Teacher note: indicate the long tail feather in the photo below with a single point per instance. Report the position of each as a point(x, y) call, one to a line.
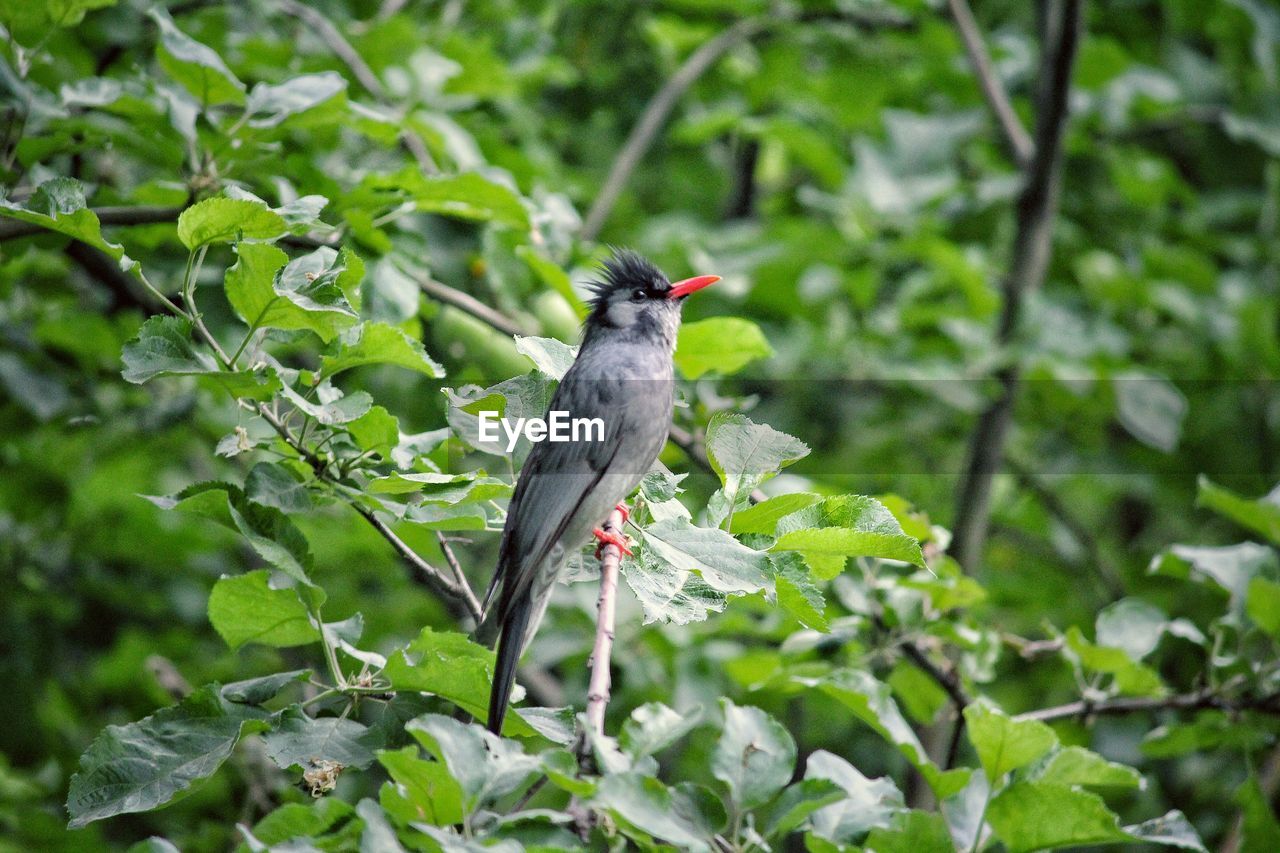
point(510, 645)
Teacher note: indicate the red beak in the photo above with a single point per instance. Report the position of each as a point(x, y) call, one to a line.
point(681, 289)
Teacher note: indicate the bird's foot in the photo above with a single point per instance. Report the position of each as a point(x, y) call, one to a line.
point(611, 538)
point(626, 513)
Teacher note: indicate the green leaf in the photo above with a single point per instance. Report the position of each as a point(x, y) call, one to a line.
point(669, 594)
point(337, 411)
point(1260, 831)
point(246, 609)
point(793, 807)
point(721, 344)
point(653, 727)
point(163, 347)
point(551, 275)
point(377, 430)
point(1230, 567)
point(485, 766)
point(745, 454)
point(764, 516)
point(1074, 765)
point(452, 667)
point(1131, 625)
point(1030, 816)
point(1003, 743)
point(724, 563)
point(270, 105)
point(552, 357)
point(378, 343)
point(228, 220)
point(867, 803)
point(294, 820)
point(829, 532)
point(1262, 604)
point(272, 484)
point(197, 67)
point(1132, 678)
point(1151, 408)
point(1261, 515)
point(248, 282)
point(918, 693)
point(755, 755)
point(302, 741)
point(59, 205)
point(912, 831)
point(646, 804)
point(255, 691)
point(1171, 829)
point(143, 765)
point(468, 196)
point(426, 786)
point(797, 593)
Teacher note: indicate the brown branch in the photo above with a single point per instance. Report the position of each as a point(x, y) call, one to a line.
point(655, 114)
point(468, 304)
point(12, 229)
point(598, 686)
point(1032, 246)
point(992, 88)
point(1202, 700)
point(337, 42)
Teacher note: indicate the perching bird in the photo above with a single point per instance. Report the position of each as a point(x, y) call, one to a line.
point(624, 376)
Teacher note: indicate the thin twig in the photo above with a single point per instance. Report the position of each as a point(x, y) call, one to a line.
point(468, 304)
point(1032, 247)
point(360, 69)
point(1136, 704)
point(655, 114)
point(12, 229)
point(992, 87)
point(598, 685)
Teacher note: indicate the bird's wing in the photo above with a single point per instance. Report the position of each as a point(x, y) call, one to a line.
point(555, 480)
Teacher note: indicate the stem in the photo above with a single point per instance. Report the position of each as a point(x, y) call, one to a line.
point(982, 818)
point(992, 87)
point(598, 686)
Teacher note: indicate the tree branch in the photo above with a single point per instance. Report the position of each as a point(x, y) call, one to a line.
point(992, 88)
point(655, 114)
point(468, 304)
point(336, 42)
point(1032, 246)
point(1136, 704)
point(598, 686)
point(12, 229)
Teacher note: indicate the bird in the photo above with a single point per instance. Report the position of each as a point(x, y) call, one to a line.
point(624, 375)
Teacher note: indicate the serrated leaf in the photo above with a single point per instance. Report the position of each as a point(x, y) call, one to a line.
point(379, 343)
point(721, 344)
point(312, 292)
point(763, 517)
point(377, 431)
point(468, 196)
point(668, 594)
point(427, 787)
point(247, 609)
point(1003, 743)
point(1132, 677)
point(299, 740)
point(745, 454)
point(866, 803)
point(829, 532)
point(912, 831)
point(255, 691)
point(646, 804)
point(163, 347)
point(797, 594)
point(653, 727)
point(1030, 816)
point(484, 765)
point(143, 765)
point(272, 484)
point(549, 355)
point(228, 220)
point(724, 563)
point(197, 67)
point(1074, 765)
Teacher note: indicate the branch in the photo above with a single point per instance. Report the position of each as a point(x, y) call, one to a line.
point(336, 42)
point(12, 229)
point(1202, 700)
point(655, 114)
point(992, 88)
point(468, 304)
point(1032, 246)
point(598, 686)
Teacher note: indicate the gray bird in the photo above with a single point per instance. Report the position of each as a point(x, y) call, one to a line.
point(624, 376)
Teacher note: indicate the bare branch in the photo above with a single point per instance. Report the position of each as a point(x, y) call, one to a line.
point(1137, 704)
point(655, 114)
point(992, 88)
point(1032, 246)
point(11, 229)
point(598, 686)
point(468, 304)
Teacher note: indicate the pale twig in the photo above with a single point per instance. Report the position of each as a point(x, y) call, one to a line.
point(600, 681)
point(467, 304)
point(992, 87)
point(1203, 700)
point(655, 114)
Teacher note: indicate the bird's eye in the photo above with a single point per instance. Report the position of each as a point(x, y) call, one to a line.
point(638, 295)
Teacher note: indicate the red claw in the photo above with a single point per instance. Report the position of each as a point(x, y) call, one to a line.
point(626, 513)
point(611, 538)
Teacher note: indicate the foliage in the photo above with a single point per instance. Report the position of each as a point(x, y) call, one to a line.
point(262, 264)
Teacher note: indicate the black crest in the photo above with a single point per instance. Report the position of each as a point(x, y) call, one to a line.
point(626, 270)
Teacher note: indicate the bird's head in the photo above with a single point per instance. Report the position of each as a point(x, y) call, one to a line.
point(634, 298)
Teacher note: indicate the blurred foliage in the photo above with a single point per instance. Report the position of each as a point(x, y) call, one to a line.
point(242, 643)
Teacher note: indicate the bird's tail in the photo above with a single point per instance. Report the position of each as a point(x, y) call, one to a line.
point(510, 645)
